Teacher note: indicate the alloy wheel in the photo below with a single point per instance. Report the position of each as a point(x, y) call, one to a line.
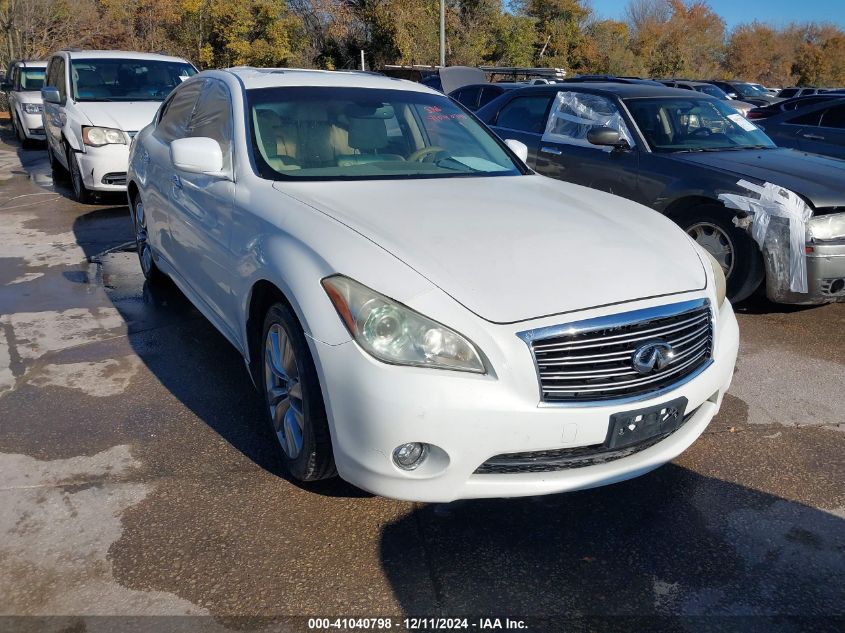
point(716, 242)
point(144, 252)
point(284, 390)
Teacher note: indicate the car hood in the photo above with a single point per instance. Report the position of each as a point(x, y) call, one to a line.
point(817, 178)
point(513, 248)
point(129, 116)
point(29, 96)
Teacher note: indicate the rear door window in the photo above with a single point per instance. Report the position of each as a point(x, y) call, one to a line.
point(525, 114)
point(488, 93)
point(834, 117)
point(810, 118)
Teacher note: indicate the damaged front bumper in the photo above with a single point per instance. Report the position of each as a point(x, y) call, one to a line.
point(825, 258)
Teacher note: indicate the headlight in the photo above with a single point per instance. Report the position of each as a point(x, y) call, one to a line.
point(393, 333)
point(32, 108)
point(99, 136)
point(718, 278)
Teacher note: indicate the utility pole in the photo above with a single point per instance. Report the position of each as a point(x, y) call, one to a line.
point(442, 33)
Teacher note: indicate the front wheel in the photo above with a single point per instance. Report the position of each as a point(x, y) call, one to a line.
point(80, 192)
point(16, 123)
point(145, 254)
point(293, 398)
point(733, 248)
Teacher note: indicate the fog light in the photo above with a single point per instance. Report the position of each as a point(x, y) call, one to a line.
point(409, 456)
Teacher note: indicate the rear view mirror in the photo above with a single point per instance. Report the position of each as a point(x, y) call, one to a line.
point(51, 95)
point(198, 155)
point(519, 148)
point(606, 137)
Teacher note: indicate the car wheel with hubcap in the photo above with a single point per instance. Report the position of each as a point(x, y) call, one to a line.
point(733, 248)
point(16, 122)
point(152, 273)
point(293, 397)
point(80, 192)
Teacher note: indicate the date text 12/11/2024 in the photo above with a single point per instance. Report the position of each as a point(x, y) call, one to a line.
point(415, 624)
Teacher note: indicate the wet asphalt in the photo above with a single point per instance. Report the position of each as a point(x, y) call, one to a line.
point(137, 477)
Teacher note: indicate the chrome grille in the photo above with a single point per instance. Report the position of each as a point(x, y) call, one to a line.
point(592, 360)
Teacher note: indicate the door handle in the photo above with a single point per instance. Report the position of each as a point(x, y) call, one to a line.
point(177, 182)
point(813, 137)
point(551, 150)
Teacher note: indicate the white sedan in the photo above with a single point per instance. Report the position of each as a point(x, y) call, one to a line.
point(426, 317)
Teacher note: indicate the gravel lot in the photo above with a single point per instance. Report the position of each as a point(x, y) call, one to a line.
point(138, 478)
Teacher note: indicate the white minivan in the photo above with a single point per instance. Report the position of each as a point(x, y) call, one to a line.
point(94, 103)
point(22, 87)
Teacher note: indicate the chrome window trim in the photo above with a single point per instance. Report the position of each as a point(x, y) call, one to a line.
point(616, 320)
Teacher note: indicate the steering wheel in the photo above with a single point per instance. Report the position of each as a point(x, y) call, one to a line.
point(422, 153)
point(702, 131)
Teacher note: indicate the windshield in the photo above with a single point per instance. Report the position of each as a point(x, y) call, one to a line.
point(688, 125)
point(713, 91)
point(127, 79)
point(748, 89)
point(32, 78)
point(356, 133)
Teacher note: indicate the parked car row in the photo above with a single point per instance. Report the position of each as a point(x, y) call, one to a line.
point(88, 105)
point(425, 312)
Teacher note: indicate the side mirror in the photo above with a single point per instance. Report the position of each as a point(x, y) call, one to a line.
point(519, 148)
point(6, 86)
point(51, 95)
point(606, 137)
point(198, 155)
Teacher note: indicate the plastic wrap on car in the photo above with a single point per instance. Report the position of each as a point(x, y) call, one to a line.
point(779, 226)
point(574, 114)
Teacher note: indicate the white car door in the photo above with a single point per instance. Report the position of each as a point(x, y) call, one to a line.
point(201, 209)
point(154, 160)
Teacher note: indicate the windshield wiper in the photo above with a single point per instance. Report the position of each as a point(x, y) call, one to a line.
point(738, 147)
point(454, 161)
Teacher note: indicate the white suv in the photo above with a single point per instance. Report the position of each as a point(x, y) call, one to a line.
point(22, 87)
point(94, 103)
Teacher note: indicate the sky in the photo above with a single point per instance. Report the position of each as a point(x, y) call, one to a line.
point(776, 12)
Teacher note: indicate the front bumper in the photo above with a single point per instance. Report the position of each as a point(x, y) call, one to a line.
point(104, 168)
point(825, 277)
point(33, 126)
point(374, 407)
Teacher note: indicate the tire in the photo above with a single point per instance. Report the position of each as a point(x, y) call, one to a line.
point(299, 423)
point(152, 273)
point(711, 226)
point(19, 130)
point(80, 192)
point(59, 172)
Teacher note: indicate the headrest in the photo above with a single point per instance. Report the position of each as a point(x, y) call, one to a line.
point(367, 134)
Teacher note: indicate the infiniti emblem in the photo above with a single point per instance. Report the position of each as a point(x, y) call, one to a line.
point(652, 356)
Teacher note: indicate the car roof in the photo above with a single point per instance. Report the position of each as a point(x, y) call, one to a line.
point(623, 91)
point(690, 82)
point(281, 77)
point(97, 54)
point(506, 85)
point(30, 63)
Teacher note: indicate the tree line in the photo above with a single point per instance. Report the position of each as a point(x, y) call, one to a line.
point(656, 38)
